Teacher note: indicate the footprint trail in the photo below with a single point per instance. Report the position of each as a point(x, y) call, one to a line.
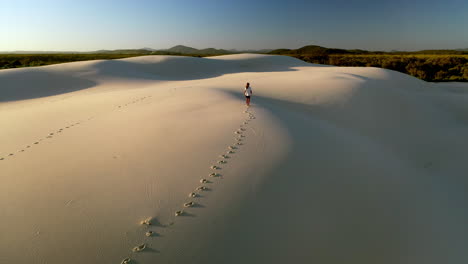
point(148, 234)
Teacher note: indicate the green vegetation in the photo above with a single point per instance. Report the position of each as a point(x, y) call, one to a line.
point(31, 60)
point(434, 68)
point(17, 60)
point(428, 65)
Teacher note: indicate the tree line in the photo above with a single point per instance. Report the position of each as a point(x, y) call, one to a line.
point(31, 60)
point(431, 67)
point(428, 67)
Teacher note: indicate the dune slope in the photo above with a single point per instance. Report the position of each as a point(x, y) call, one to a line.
point(329, 165)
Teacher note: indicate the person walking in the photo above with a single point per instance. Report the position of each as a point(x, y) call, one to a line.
point(247, 93)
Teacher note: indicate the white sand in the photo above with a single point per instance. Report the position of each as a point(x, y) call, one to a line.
point(340, 165)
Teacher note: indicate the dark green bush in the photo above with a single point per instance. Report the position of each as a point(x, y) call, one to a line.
point(426, 67)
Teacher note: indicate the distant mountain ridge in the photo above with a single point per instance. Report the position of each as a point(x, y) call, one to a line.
point(323, 51)
point(185, 50)
point(182, 49)
point(310, 49)
point(189, 50)
point(176, 50)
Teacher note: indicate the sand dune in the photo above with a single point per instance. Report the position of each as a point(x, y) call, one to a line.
point(156, 160)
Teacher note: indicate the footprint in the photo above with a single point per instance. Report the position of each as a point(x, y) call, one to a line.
point(179, 213)
point(238, 139)
point(11, 154)
point(36, 142)
point(21, 150)
point(238, 132)
point(215, 167)
point(224, 156)
point(2, 158)
point(222, 162)
point(238, 143)
point(232, 147)
point(242, 136)
point(28, 146)
point(201, 188)
point(51, 134)
point(146, 221)
point(149, 233)
point(189, 204)
point(243, 129)
point(203, 181)
point(214, 174)
point(139, 248)
point(192, 195)
point(126, 261)
point(230, 152)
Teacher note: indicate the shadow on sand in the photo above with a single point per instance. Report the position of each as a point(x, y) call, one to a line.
point(328, 201)
point(36, 82)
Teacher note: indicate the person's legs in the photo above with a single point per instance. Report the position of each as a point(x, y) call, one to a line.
point(247, 100)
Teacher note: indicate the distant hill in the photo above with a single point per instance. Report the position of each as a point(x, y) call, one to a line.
point(182, 49)
point(280, 51)
point(310, 49)
point(189, 50)
point(322, 51)
point(210, 51)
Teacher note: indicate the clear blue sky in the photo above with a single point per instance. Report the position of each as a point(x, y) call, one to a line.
point(104, 24)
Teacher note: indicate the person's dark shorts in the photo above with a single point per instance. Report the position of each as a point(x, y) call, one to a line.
point(248, 97)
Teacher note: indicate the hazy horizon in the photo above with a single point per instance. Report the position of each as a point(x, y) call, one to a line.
point(54, 25)
point(233, 49)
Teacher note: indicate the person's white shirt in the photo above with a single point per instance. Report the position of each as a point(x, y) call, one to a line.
point(248, 91)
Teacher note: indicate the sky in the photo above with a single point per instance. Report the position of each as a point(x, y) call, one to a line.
point(86, 25)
